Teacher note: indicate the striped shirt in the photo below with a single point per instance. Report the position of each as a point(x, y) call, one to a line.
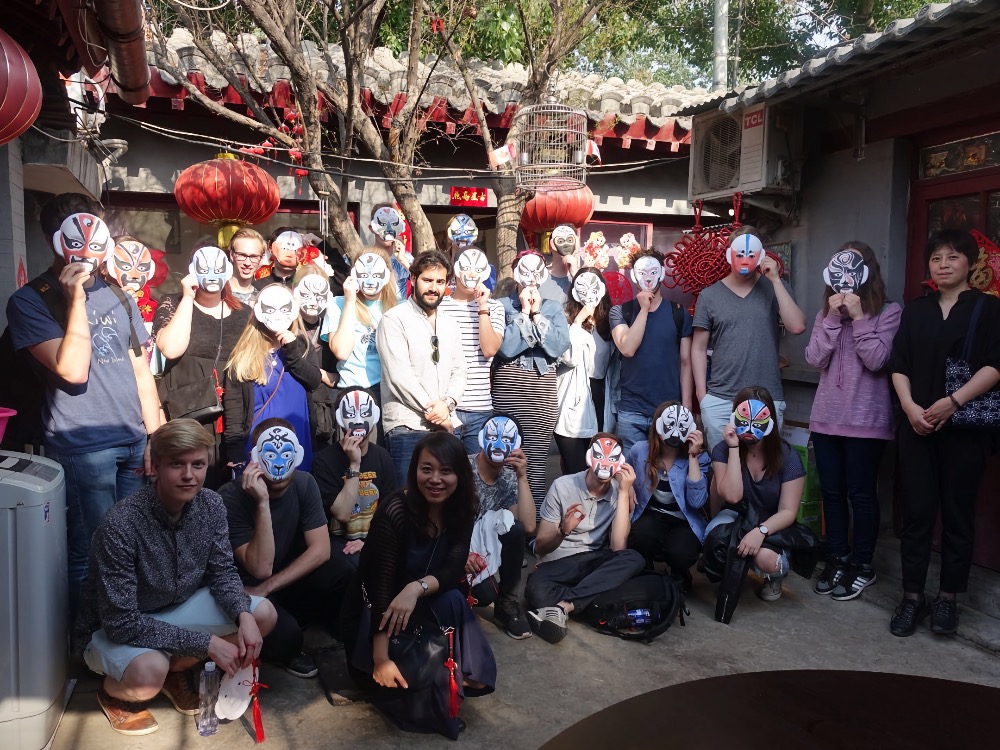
point(477, 395)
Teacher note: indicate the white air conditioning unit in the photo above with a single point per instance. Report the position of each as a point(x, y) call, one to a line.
point(748, 151)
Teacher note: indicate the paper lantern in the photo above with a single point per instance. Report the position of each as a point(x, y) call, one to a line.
point(549, 208)
point(20, 90)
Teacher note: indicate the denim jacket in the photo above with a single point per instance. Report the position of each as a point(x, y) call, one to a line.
point(535, 344)
point(691, 496)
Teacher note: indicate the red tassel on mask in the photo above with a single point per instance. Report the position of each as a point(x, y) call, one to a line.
point(258, 721)
point(452, 669)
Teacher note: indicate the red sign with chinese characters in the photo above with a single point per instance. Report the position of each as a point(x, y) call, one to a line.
point(467, 196)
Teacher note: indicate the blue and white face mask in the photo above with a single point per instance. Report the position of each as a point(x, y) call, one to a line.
point(498, 438)
point(371, 272)
point(752, 420)
point(211, 266)
point(462, 231)
point(387, 224)
point(278, 452)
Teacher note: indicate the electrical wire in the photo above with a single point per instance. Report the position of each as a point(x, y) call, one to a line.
point(57, 138)
point(220, 6)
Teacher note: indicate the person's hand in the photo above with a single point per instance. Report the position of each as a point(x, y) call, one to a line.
point(73, 277)
point(482, 295)
point(473, 566)
point(769, 269)
point(387, 674)
point(189, 286)
point(437, 413)
point(248, 639)
point(397, 616)
point(939, 412)
point(572, 264)
point(399, 250)
point(518, 461)
point(573, 517)
point(354, 546)
point(750, 544)
point(917, 420)
point(730, 436)
point(313, 240)
point(225, 654)
point(253, 482)
point(645, 299)
point(525, 296)
point(853, 304)
point(696, 443)
point(351, 287)
point(625, 476)
point(285, 337)
point(352, 449)
point(836, 302)
point(329, 378)
point(587, 311)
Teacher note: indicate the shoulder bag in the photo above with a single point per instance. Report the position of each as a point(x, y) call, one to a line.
point(982, 412)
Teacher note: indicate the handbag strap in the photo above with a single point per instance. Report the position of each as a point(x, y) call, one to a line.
point(273, 393)
point(970, 335)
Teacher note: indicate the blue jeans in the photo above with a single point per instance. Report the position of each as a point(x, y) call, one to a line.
point(472, 423)
point(633, 428)
point(848, 471)
point(400, 442)
point(94, 482)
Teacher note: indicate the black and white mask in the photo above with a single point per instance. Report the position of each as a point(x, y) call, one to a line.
point(276, 307)
point(589, 289)
point(674, 425)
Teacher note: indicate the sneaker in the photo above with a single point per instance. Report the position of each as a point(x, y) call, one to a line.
point(944, 616)
point(771, 590)
point(128, 718)
point(507, 612)
point(908, 615)
point(179, 689)
point(549, 623)
point(831, 575)
point(301, 666)
point(856, 580)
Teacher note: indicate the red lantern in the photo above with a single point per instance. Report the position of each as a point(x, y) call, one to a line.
point(20, 90)
point(228, 192)
point(550, 208)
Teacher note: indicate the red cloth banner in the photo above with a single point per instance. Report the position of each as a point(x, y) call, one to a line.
point(469, 196)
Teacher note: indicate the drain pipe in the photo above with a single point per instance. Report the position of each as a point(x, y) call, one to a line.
point(720, 46)
point(124, 29)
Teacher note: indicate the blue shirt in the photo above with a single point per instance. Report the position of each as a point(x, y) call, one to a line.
point(286, 398)
point(363, 367)
point(690, 496)
point(104, 412)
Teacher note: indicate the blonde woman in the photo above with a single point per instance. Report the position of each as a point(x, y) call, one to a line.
point(269, 374)
point(352, 320)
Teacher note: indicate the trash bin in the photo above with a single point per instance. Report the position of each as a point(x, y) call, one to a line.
point(34, 647)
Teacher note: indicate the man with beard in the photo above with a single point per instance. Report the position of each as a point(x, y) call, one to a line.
point(423, 370)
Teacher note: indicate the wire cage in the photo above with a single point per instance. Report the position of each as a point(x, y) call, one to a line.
point(551, 147)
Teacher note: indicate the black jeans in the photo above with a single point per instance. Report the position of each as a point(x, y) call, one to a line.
point(581, 577)
point(848, 471)
point(573, 452)
point(511, 557)
point(658, 536)
point(939, 471)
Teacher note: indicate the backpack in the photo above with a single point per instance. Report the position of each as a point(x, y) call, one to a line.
point(22, 385)
point(639, 609)
point(630, 310)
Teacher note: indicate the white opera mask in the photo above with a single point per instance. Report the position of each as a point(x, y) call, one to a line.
point(212, 267)
point(286, 247)
point(387, 224)
point(278, 452)
point(564, 240)
point(589, 289)
point(371, 272)
point(498, 438)
point(131, 264)
point(647, 273)
point(472, 268)
point(276, 307)
point(744, 254)
point(357, 413)
point(83, 238)
point(846, 273)
point(675, 424)
point(530, 271)
point(313, 295)
point(462, 231)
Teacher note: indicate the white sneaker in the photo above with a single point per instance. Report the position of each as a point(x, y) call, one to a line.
point(771, 590)
point(549, 623)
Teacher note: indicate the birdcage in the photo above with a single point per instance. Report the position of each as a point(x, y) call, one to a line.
point(551, 147)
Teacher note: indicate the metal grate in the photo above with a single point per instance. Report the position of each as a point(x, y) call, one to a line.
point(720, 166)
point(551, 147)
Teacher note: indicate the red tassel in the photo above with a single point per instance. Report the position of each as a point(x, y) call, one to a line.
point(453, 686)
point(219, 390)
point(258, 721)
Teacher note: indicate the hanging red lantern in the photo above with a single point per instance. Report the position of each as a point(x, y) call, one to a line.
point(228, 192)
point(550, 208)
point(20, 90)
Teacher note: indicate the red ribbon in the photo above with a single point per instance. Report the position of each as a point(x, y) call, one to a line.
point(219, 390)
point(453, 685)
point(258, 721)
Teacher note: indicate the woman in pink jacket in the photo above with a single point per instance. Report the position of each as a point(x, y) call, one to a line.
point(851, 418)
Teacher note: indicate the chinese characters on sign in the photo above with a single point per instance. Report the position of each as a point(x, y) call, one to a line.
point(468, 196)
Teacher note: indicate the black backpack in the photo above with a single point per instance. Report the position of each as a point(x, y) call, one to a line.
point(640, 609)
point(22, 384)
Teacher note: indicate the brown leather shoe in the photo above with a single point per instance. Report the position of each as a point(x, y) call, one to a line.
point(126, 717)
point(178, 688)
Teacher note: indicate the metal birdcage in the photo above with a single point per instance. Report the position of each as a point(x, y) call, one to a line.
point(551, 147)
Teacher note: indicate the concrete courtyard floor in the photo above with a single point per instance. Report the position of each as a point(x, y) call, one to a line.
point(542, 689)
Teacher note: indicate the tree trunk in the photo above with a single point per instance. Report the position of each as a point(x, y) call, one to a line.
point(509, 207)
point(421, 233)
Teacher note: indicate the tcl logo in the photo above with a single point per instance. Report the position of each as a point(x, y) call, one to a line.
point(753, 119)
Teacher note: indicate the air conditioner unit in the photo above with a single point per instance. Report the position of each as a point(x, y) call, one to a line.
point(748, 151)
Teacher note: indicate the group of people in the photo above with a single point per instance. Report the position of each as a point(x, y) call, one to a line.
point(364, 443)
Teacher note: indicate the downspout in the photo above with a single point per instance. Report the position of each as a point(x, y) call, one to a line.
point(124, 29)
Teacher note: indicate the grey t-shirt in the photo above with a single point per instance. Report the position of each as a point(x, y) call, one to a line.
point(594, 530)
point(743, 336)
point(499, 495)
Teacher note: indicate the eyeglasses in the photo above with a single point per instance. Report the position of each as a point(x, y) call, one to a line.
point(243, 256)
point(435, 352)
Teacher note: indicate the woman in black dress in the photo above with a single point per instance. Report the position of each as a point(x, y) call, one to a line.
point(412, 562)
point(940, 464)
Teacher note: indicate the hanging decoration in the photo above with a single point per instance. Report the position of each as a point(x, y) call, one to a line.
point(549, 209)
point(20, 90)
point(986, 272)
point(698, 259)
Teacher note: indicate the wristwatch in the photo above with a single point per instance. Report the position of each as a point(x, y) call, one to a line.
point(424, 588)
point(762, 529)
point(351, 473)
point(452, 404)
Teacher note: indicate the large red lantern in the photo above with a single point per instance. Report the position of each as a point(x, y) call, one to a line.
point(20, 90)
point(550, 208)
point(228, 192)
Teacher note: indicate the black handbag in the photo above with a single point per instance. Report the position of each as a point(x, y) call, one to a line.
point(420, 653)
point(982, 412)
point(191, 389)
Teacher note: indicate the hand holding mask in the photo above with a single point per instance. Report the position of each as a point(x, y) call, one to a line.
point(498, 438)
point(846, 272)
point(278, 452)
point(745, 254)
point(752, 421)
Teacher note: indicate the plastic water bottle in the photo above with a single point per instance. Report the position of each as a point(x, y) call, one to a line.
point(208, 693)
